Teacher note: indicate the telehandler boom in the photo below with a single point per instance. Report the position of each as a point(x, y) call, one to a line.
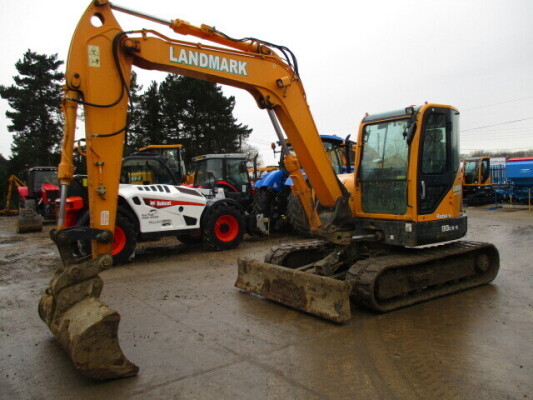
point(394, 202)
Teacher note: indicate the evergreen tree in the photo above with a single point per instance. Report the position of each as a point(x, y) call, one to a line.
point(147, 125)
point(134, 127)
point(196, 113)
point(36, 119)
point(185, 111)
point(173, 103)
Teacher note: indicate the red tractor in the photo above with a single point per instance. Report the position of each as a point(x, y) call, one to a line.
point(37, 199)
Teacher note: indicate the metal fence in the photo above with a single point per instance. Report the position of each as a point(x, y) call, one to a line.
point(498, 175)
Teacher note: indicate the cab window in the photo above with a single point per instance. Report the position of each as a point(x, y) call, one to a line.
point(383, 170)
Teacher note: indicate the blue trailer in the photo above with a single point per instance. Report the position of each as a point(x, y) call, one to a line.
point(518, 186)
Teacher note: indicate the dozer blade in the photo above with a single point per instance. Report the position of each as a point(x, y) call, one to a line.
point(85, 327)
point(326, 297)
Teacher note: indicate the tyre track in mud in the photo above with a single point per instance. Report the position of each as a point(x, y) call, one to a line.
point(406, 362)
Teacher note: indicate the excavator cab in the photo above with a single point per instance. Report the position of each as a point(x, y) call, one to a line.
point(477, 171)
point(410, 178)
point(477, 181)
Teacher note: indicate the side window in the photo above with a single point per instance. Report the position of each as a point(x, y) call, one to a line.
point(332, 152)
point(236, 173)
point(434, 157)
point(208, 172)
point(470, 172)
point(144, 172)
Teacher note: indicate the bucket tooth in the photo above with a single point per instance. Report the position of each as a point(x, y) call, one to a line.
point(325, 297)
point(86, 328)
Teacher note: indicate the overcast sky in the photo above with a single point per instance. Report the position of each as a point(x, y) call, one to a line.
point(354, 57)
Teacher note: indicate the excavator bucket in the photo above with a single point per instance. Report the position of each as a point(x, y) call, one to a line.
point(326, 297)
point(85, 327)
point(28, 219)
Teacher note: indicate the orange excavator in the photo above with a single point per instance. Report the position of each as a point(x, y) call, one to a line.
point(406, 191)
point(12, 182)
point(477, 181)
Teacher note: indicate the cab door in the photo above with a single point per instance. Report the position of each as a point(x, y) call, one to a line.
point(439, 157)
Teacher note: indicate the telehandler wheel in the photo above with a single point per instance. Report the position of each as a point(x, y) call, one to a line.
point(124, 240)
point(224, 228)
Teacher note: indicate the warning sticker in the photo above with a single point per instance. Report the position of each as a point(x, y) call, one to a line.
point(94, 56)
point(104, 217)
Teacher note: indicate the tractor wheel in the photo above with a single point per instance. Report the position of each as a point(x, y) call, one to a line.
point(297, 216)
point(223, 228)
point(262, 204)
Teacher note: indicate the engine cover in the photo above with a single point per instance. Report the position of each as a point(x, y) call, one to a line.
point(162, 208)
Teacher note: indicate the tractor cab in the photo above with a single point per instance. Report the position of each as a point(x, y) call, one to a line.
point(37, 199)
point(40, 180)
point(335, 149)
point(223, 174)
point(163, 164)
point(43, 187)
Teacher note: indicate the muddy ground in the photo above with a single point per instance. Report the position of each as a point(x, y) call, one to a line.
point(195, 336)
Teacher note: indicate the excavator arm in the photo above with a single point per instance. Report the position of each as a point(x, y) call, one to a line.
point(99, 65)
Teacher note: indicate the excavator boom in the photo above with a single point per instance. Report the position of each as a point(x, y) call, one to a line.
point(98, 72)
point(97, 76)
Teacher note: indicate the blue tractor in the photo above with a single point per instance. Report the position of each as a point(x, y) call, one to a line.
point(275, 208)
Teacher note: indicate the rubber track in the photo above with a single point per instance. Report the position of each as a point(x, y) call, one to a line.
point(365, 274)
